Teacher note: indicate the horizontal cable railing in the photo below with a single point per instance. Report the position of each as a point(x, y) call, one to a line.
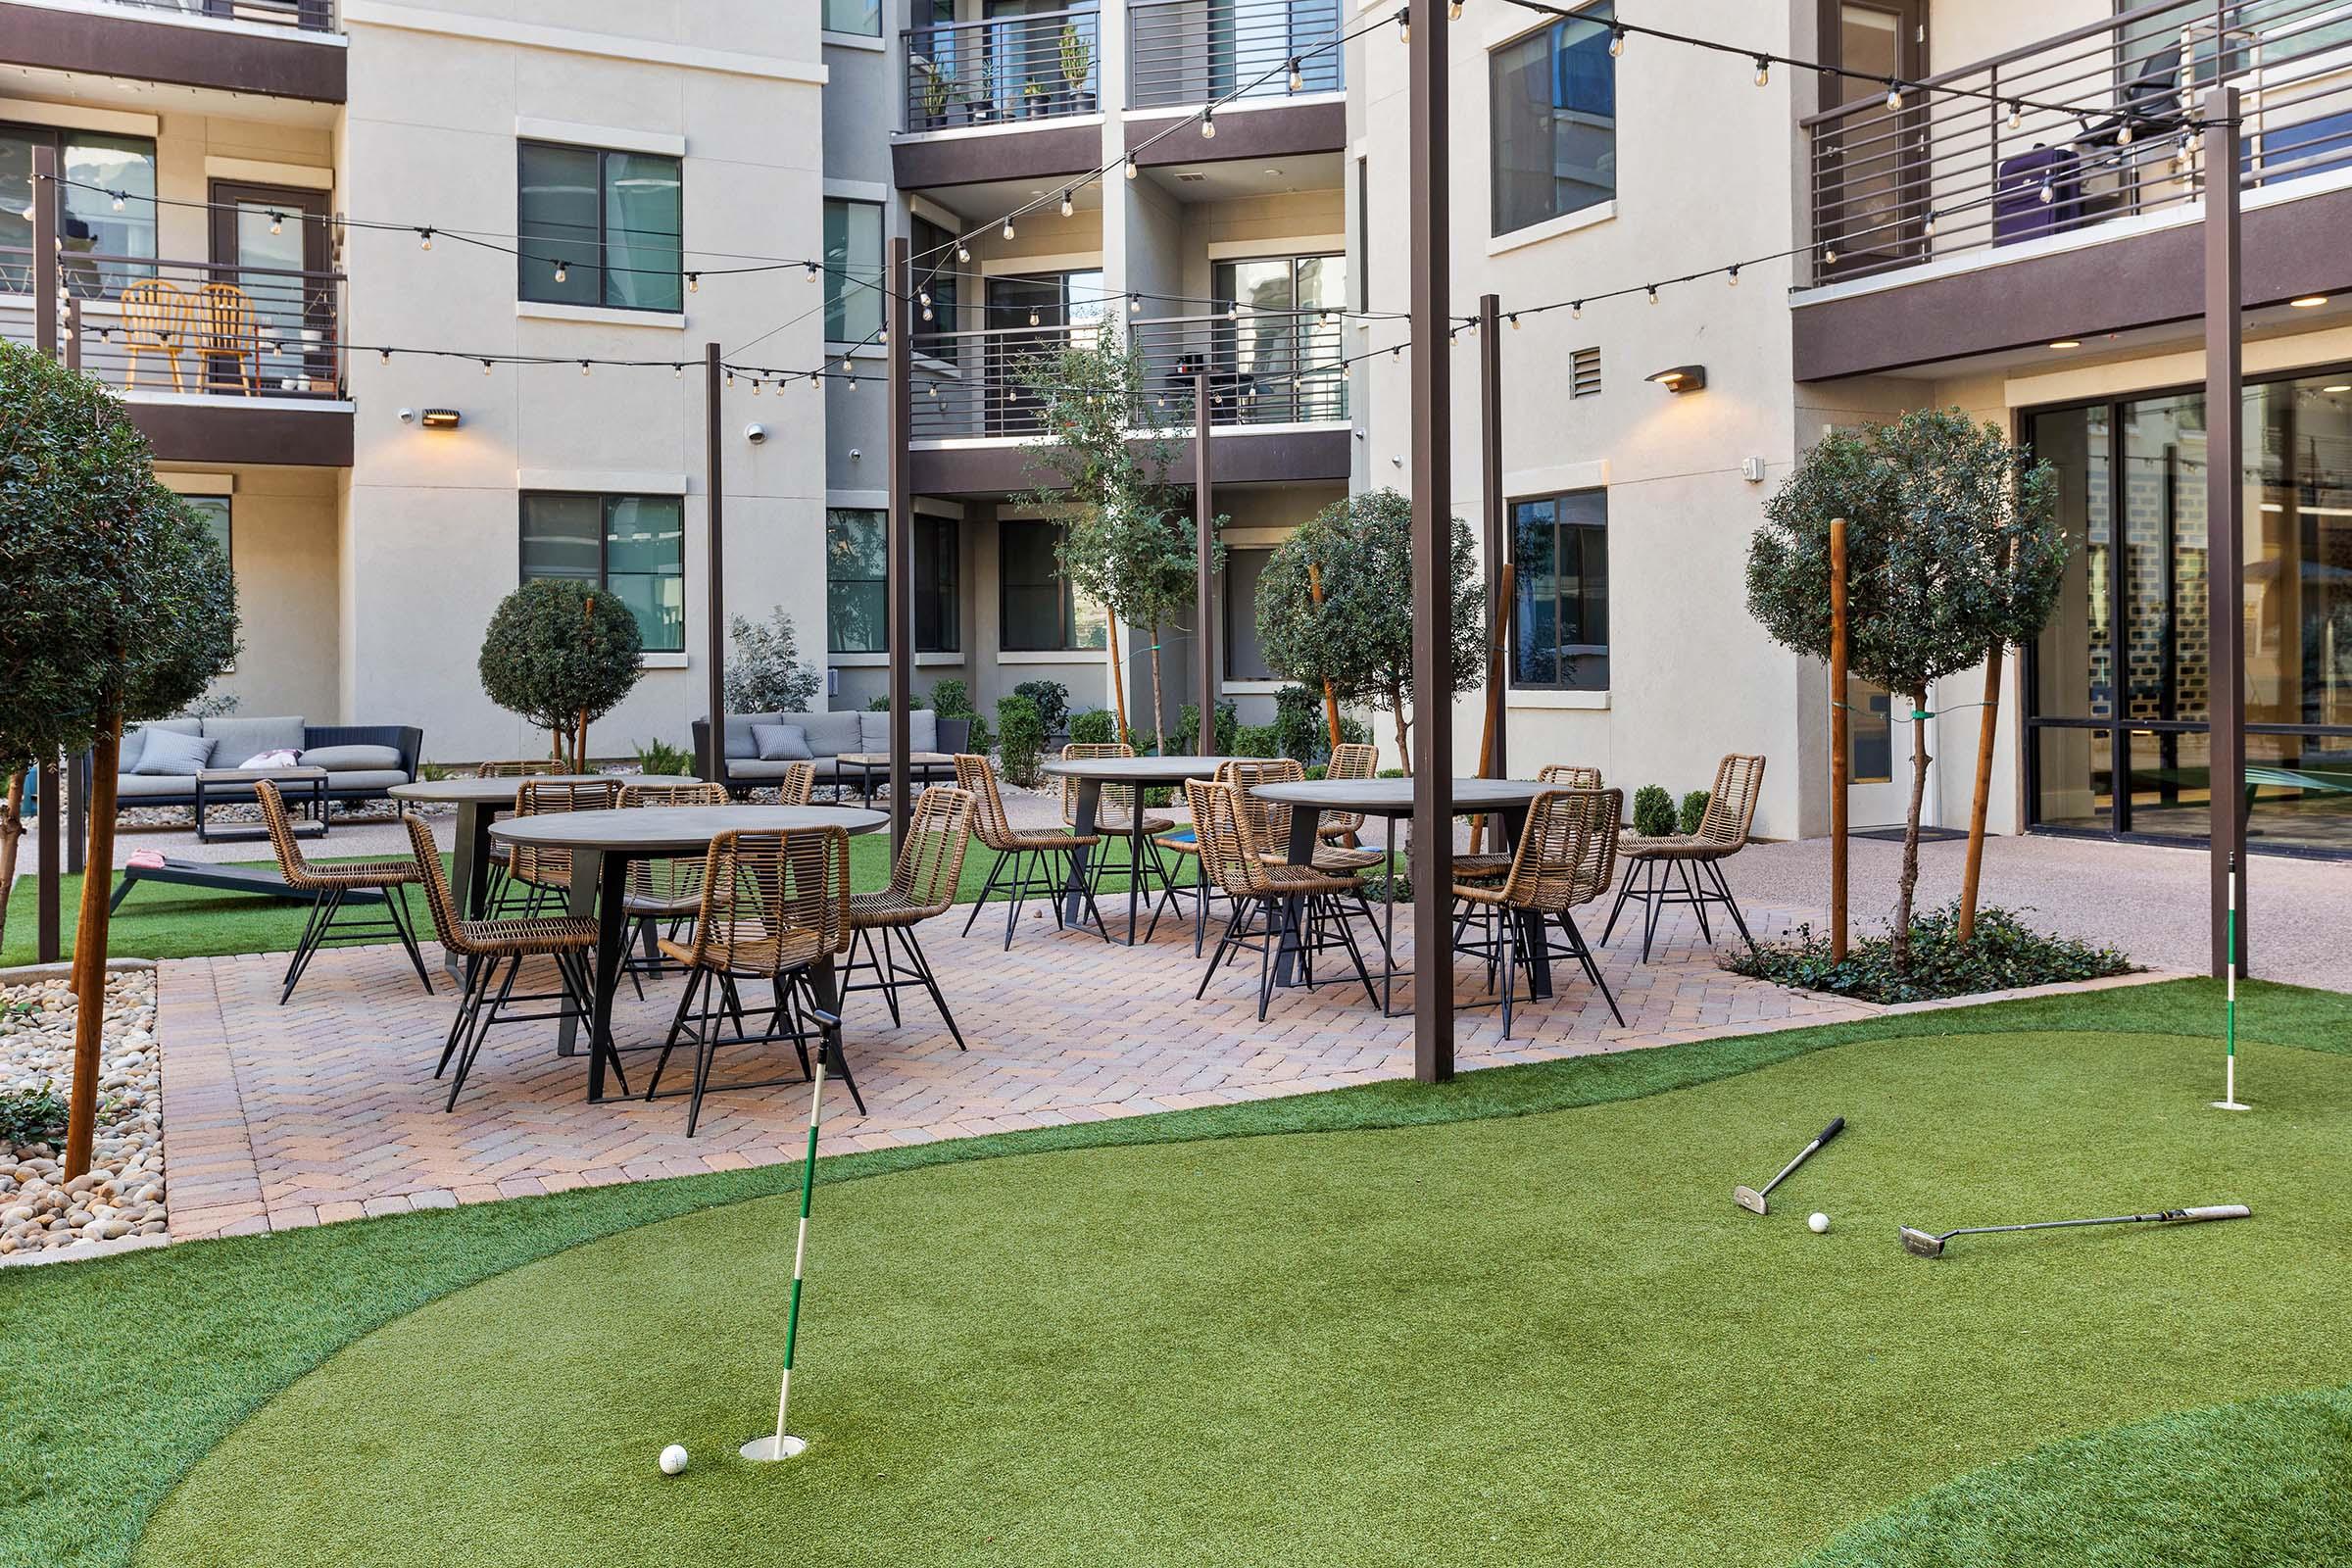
point(2075, 131)
point(1042, 66)
point(1263, 367)
point(307, 15)
point(152, 325)
point(1199, 51)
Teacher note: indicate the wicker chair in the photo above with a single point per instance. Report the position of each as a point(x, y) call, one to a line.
point(489, 947)
point(1267, 890)
point(1693, 860)
point(1350, 760)
point(797, 786)
point(1493, 866)
point(1114, 818)
point(1040, 860)
point(334, 888)
point(1270, 820)
point(922, 884)
point(548, 872)
point(774, 908)
point(668, 891)
point(539, 767)
point(1564, 859)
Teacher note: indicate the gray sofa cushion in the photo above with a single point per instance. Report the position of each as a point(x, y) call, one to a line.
point(755, 772)
point(235, 739)
point(740, 742)
point(170, 753)
point(361, 778)
point(922, 731)
point(782, 742)
point(829, 734)
point(132, 788)
point(352, 759)
point(135, 740)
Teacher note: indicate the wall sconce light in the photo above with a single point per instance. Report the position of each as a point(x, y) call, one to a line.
point(1682, 378)
point(442, 418)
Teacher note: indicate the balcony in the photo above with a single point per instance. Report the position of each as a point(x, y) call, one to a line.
point(307, 15)
point(290, 49)
point(1183, 53)
point(1007, 71)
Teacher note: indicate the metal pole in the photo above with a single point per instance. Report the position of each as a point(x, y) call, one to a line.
point(1205, 738)
point(715, 768)
point(1433, 539)
point(1489, 454)
point(45, 204)
point(1841, 722)
point(899, 575)
point(49, 942)
point(73, 333)
point(2225, 506)
point(77, 811)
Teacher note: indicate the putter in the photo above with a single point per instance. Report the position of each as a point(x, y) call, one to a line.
point(1749, 1198)
point(1927, 1246)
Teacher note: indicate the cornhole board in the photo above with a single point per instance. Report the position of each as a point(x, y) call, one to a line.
point(225, 879)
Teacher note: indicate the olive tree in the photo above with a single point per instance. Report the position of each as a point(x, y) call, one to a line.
point(116, 606)
point(766, 675)
point(1335, 607)
point(1952, 549)
point(562, 655)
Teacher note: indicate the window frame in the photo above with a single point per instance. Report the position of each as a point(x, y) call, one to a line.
point(1598, 16)
point(837, 288)
point(605, 499)
point(1234, 604)
point(115, 275)
point(1067, 631)
point(824, 24)
point(946, 602)
point(525, 262)
point(1520, 640)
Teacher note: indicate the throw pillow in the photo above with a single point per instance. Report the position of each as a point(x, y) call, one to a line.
point(277, 757)
point(782, 742)
point(171, 754)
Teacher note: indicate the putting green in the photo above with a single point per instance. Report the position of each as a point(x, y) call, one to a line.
point(1550, 1337)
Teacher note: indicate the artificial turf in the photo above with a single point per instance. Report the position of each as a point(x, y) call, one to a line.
point(1348, 1345)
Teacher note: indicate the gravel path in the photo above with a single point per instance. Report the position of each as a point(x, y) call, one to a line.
point(122, 1193)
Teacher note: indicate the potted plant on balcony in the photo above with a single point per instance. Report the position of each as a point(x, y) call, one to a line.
point(934, 98)
point(1033, 100)
point(980, 99)
point(1077, 64)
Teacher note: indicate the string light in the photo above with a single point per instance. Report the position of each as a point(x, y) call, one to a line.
point(278, 222)
point(1576, 309)
point(383, 356)
point(810, 275)
point(1453, 11)
point(1131, 169)
point(963, 252)
point(1008, 225)
point(117, 201)
point(1298, 76)
point(1032, 316)
point(2047, 194)
point(677, 372)
point(1514, 319)
point(1928, 225)
point(1653, 293)
point(1829, 255)
point(425, 239)
point(562, 272)
point(1894, 93)
point(1732, 275)
point(1404, 24)
point(586, 368)
point(1065, 203)
point(1209, 125)
point(1616, 40)
point(485, 366)
point(1763, 71)
point(694, 282)
point(2017, 114)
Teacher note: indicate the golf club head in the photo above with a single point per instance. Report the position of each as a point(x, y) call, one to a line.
point(1921, 1243)
point(1749, 1198)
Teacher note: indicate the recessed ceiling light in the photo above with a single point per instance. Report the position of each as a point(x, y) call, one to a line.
point(2307, 302)
point(2068, 343)
point(2340, 386)
point(1276, 173)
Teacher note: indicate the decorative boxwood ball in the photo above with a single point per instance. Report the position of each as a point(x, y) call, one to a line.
point(562, 655)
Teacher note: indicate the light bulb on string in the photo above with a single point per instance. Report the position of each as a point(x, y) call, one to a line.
point(731, 378)
point(1009, 227)
point(1653, 293)
point(485, 366)
point(1732, 275)
point(383, 356)
point(694, 282)
point(1763, 71)
point(1032, 316)
point(677, 372)
point(1514, 319)
point(963, 252)
point(1894, 93)
point(810, 272)
point(585, 369)
point(927, 313)
point(1131, 169)
point(2047, 194)
point(117, 201)
point(425, 239)
point(2017, 114)
point(1829, 255)
point(1298, 76)
point(1066, 203)
point(278, 222)
point(1404, 25)
point(1576, 309)
point(562, 272)
point(2122, 134)
point(1616, 40)
point(1209, 125)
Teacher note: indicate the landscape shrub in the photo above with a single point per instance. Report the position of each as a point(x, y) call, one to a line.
point(1694, 810)
point(1097, 726)
point(1053, 699)
point(1020, 739)
point(1653, 811)
point(2004, 952)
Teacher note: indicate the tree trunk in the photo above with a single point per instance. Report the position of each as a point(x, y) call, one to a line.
point(1118, 681)
point(1159, 722)
point(579, 744)
point(89, 949)
point(1404, 755)
point(1986, 734)
point(1331, 700)
point(1918, 795)
point(12, 834)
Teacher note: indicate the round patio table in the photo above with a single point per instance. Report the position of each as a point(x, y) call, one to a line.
point(1391, 798)
point(479, 803)
point(1143, 772)
point(603, 845)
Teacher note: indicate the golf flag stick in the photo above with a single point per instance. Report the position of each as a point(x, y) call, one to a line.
point(782, 1446)
point(2229, 1099)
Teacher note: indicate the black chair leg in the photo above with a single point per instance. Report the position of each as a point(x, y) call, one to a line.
point(396, 900)
point(1723, 885)
point(695, 981)
point(920, 962)
point(1225, 946)
point(1591, 962)
point(1625, 891)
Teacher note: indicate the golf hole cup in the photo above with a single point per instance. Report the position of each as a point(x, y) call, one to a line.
point(1819, 1223)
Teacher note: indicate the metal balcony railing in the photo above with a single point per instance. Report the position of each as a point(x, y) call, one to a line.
point(1943, 174)
point(150, 325)
point(1198, 51)
point(1263, 367)
point(1042, 66)
point(305, 15)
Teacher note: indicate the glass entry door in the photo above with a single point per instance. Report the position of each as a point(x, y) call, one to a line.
point(269, 255)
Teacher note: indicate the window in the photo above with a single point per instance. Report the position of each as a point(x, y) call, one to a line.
point(935, 249)
point(1042, 612)
point(1286, 367)
point(1560, 616)
point(1553, 120)
point(856, 583)
point(632, 546)
point(1245, 658)
point(853, 271)
point(89, 222)
point(214, 510)
point(860, 17)
point(599, 228)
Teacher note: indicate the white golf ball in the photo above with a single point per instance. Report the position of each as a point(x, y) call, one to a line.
point(1818, 1223)
point(673, 1459)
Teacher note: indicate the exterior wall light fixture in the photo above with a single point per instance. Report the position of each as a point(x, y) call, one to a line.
point(1682, 378)
point(442, 418)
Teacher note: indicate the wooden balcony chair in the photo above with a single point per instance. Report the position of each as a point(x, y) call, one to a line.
point(227, 330)
point(775, 909)
point(1688, 867)
point(494, 951)
point(1564, 859)
point(331, 888)
point(1263, 892)
point(922, 884)
point(1030, 862)
point(158, 318)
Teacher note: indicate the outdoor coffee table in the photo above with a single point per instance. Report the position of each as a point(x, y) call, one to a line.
point(922, 768)
point(295, 783)
point(1391, 798)
point(479, 803)
point(1144, 772)
point(603, 845)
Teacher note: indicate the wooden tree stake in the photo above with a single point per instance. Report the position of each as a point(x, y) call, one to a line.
point(1331, 701)
point(1986, 733)
point(89, 952)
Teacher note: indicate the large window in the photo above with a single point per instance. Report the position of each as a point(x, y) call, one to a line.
point(1286, 367)
point(89, 222)
point(1244, 656)
point(853, 271)
point(1042, 612)
point(935, 275)
point(215, 510)
point(1554, 121)
point(1560, 610)
point(599, 228)
point(860, 17)
point(856, 583)
point(632, 546)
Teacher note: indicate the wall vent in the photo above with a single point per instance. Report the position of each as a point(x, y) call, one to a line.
point(1584, 379)
point(1194, 178)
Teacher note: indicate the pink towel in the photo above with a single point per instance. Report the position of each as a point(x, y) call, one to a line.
point(145, 859)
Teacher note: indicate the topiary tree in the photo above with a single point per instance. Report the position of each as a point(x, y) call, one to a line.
point(1952, 548)
point(766, 675)
point(116, 604)
point(1335, 604)
point(1021, 740)
point(562, 655)
point(1053, 699)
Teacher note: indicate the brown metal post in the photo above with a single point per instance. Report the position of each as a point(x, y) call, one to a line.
point(73, 333)
point(1841, 721)
point(716, 601)
point(45, 203)
point(899, 575)
point(1497, 755)
point(1205, 610)
point(1432, 238)
point(2224, 508)
point(48, 933)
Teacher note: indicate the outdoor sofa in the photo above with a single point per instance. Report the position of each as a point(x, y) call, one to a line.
point(829, 737)
point(363, 761)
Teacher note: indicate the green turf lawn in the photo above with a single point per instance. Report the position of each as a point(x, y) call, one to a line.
point(160, 921)
point(1523, 1323)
